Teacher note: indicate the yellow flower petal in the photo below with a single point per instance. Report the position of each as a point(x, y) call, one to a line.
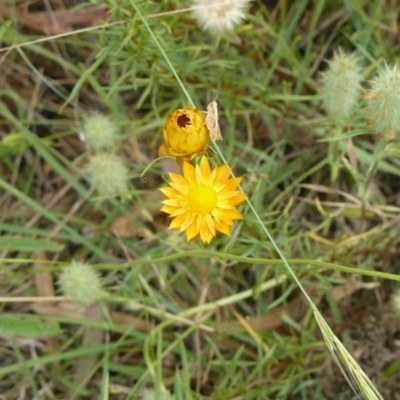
point(179, 189)
point(205, 168)
point(224, 218)
point(164, 150)
point(232, 184)
point(189, 172)
point(222, 174)
point(208, 237)
point(210, 223)
point(169, 192)
point(178, 179)
point(172, 202)
point(191, 231)
point(234, 201)
point(177, 222)
point(189, 221)
point(213, 176)
point(199, 173)
point(204, 232)
point(168, 209)
point(233, 214)
point(223, 228)
point(178, 211)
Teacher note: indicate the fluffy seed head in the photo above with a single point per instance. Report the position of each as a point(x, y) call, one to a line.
point(341, 86)
point(108, 176)
point(219, 16)
point(384, 102)
point(99, 132)
point(81, 284)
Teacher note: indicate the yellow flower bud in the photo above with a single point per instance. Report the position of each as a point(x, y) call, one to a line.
point(186, 135)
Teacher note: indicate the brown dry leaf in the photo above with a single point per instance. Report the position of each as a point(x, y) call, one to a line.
point(170, 165)
point(92, 336)
point(131, 146)
point(351, 286)
point(123, 227)
point(296, 308)
point(45, 288)
point(212, 121)
point(56, 22)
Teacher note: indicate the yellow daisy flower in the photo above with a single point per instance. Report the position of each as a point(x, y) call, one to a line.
point(202, 201)
point(186, 135)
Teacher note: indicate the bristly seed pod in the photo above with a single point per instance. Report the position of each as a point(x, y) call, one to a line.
point(341, 86)
point(108, 175)
point(81, 284)
point(99, 132)
point(383, 100)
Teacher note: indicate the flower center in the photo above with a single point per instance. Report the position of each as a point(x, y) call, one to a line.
point(183, 120)
point(201, 199)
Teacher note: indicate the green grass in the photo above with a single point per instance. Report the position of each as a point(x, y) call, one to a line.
point(287, 307)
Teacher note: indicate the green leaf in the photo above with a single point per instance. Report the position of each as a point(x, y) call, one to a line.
point(5, 27)
point(29, 244)
point(11, 325)
point(12, 143)
point(347, 135)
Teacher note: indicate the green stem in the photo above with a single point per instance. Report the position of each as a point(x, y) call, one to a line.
point(333, 155)
point(378, 156)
